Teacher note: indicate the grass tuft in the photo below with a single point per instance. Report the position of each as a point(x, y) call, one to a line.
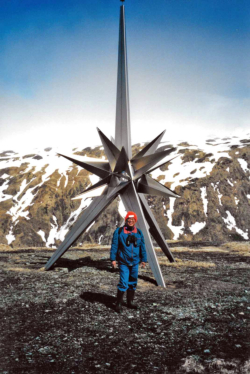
point(188, 263)
point(242, 248)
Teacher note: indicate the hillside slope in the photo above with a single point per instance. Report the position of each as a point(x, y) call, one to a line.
point(212, 178)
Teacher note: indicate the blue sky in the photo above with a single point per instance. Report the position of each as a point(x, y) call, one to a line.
point(188, 69)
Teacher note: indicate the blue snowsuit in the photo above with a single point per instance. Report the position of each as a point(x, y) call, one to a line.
point(128, 257)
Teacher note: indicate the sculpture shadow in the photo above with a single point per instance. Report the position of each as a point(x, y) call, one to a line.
point(71, 265)
point(148, 279)
point(102, 265)
point(92, 297)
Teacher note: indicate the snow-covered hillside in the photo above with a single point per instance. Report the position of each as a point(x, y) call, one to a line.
point(212, 178)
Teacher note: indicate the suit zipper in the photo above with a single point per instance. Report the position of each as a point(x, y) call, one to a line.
point(132, 252)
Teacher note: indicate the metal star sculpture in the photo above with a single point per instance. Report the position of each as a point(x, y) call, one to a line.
point(124, 175)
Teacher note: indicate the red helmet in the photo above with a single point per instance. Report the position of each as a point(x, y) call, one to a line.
point(131, 215)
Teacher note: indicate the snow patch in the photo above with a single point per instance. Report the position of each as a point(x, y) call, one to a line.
point(4, 196)
point(231, 184)
point(204, 196)
point(4, 176)
point(57, 233)
point(19, 209)
point(243, 164)
point(229, 221)
point(66, 180)
point(90, 226)
point(42, 234)
point(24, 214)
point(216, 189)
point(65, 228)
point(100, 239)
point(231, 224)
point(197, 226)
point(58, 182)
point(94, 178)
point(10, 237)
point(175, 229)
point(219, 197)
point(52, 233)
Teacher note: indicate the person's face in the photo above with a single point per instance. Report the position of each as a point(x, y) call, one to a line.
point(130, 222)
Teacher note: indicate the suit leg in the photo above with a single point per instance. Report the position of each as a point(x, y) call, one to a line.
point(124, 278)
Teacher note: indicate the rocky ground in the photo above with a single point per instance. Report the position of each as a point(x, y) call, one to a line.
point(63, 321)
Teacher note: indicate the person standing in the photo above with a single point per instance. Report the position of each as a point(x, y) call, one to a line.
point(128, 250)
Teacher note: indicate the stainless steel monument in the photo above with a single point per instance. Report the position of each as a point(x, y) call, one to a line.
point(124, 175)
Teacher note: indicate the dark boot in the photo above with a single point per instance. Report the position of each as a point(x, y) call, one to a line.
point(130, 298)
point(118, 306)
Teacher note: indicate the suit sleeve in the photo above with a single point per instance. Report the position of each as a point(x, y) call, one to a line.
point(114, 245)
point(143, 250)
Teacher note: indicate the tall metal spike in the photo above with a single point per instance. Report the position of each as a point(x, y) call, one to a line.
point(89, 215)
point(90, 194)
point(110, 149)
point(119, 153)
point(154, 229)
point(159, 166)
point(121, 187)
point(122, 163)
point(97, 168)
point(122, 127)
point(151, 147)
point(95, 186)
point(114, 181)
point(142, 164)
point(149, 186)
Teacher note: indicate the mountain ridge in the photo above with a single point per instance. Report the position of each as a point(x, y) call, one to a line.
point(212, 179)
